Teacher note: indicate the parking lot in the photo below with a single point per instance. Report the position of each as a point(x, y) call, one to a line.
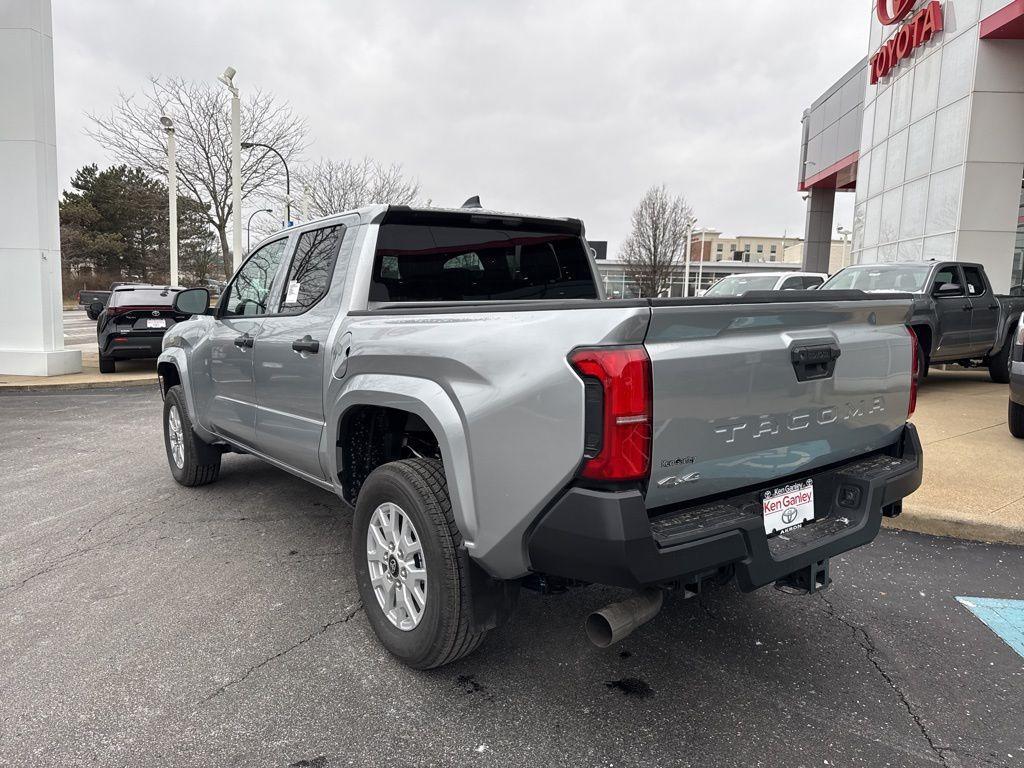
point(147, 624)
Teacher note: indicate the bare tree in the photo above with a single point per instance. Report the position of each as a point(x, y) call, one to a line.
point(202, 123)
point(332, 186)
point(658, 239)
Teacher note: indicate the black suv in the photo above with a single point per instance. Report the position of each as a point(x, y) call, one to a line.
point(133, 323)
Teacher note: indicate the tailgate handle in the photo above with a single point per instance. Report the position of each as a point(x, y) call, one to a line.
point(816, 361)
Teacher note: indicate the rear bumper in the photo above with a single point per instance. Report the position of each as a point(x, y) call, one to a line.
point(129, 346)
point(607, 537)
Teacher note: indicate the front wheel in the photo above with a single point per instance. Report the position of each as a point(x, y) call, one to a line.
point(1015, 418)
point(192, 461)
point(412, 577)
point(999, 364)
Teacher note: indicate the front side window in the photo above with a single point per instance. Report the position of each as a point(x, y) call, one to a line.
point(248, 294)
point(947, 276)
point(310, 273)
point(975, 282)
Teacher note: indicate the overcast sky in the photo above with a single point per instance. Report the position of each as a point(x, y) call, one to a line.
point(558, 107)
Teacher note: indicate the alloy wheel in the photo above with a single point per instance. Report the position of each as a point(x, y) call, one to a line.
point(398, 573)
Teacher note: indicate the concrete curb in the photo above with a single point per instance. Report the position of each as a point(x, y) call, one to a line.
point(36, 386)
point(951, 528)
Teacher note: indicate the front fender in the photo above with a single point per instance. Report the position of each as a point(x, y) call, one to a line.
point(431, 403)
point(177, 357)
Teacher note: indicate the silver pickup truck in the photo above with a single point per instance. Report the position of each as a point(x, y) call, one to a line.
point(457, 377)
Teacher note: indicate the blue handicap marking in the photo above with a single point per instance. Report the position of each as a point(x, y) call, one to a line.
point(1004, 617)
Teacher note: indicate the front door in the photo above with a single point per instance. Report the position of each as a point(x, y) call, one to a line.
point(292, 352)
point(231, 404)
point(984, 311)
point(954, 315)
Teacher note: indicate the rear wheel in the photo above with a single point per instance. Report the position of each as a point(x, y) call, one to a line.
point(1015, 417)
point(999, 364)
point(106, 364)
point(192, 461)
point(922, 363)
point(412, 578)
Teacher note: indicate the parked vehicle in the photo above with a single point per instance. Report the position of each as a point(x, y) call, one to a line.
point(1015, 414)
point(457, 377)
point(133, 323)
point(957, 316)
point(737, 285)
point(93, 302)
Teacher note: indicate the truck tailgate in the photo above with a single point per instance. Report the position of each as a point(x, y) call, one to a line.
point(743, 393)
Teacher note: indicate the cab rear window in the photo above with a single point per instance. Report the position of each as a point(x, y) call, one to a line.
point(417, 262)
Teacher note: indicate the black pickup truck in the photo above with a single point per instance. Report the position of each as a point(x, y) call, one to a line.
point(956, 315)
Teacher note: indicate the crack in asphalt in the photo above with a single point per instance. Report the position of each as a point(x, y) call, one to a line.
point(349, 613)
point(871, 652)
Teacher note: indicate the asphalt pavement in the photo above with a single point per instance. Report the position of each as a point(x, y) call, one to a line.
point(145, 624)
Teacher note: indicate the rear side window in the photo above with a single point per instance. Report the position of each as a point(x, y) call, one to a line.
point(311, 269)
point(142, 297)
point(975, 282)
point(811, 281)
point(416, 262)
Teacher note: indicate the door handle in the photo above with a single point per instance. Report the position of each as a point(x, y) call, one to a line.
point(306, 344)
point(244, 341)
point(966, 307)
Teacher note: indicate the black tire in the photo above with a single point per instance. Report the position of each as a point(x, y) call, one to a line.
point(200, 461)
point(445, 632)
point(922, 363)
point(999, 364)
point(1015, 418)
point(106, 364)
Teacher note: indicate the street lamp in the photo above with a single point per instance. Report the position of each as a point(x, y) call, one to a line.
point(287, 178)
point(690, 221)
point(248, 227)
point(228, 78)
point(845, 234)
point(172, 196)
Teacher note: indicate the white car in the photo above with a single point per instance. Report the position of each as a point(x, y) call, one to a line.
point(737, 285)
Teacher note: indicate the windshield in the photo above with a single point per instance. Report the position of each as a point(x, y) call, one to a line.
point(903, 278)
point(737, 285)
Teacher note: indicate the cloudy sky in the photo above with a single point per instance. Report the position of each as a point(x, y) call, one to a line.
point(556, 107)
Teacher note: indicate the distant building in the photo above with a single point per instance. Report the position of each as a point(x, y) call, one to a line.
point(714, 256)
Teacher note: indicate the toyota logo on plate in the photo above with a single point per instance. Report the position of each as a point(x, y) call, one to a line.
point(893, 11)
point(789, 515)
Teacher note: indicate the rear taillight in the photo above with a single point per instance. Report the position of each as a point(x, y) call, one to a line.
point(914, 362)
point(617, 441)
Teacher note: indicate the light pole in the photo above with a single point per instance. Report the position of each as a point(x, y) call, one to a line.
point(845, 234)
point(172, 197)
point(248, 228)
point(287, 178)
point(686, 271)
point(700, 265)
point(228, 78)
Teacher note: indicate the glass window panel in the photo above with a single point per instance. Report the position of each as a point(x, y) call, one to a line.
point(926, 86)
point(957, 70)
point(896, 160)
point(887, 253)
point(863, 176)
point(943, 201)
point(867, 128)
point(889, 229)
point(915, 204)
point(883, 108)
point(959, 15)
point(872, 220)
point(876, 178)
point(911, 250)
point(868, 256)
point(858, 227)
point(919, 147)
point(902, 90)
point(950, 135)
point(938, 248)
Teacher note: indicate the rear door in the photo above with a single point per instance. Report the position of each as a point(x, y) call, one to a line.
point(734, 408)
point(292, 349)
point(230, 396)
point(984, 310)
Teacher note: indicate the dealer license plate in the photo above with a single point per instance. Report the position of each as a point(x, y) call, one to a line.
point(788, 507)
point(160, 323)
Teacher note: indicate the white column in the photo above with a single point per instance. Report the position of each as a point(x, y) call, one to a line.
point(31, 324)
point(172, 205)
point(236, 180)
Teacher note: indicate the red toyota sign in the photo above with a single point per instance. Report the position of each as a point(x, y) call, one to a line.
point(916, 32)
point(900, 9)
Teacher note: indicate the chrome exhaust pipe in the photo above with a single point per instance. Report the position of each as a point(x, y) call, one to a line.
point(616, 621)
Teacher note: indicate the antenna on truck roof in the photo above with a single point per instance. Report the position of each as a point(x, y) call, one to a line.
point(473, 202)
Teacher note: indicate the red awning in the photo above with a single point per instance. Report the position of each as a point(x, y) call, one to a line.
point(841, 175)
point(1005, 24)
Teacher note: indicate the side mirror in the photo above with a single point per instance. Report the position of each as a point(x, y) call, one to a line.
point(194, 301)
point(948, 289)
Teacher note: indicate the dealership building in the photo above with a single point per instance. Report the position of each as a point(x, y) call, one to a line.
point(927, 132)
